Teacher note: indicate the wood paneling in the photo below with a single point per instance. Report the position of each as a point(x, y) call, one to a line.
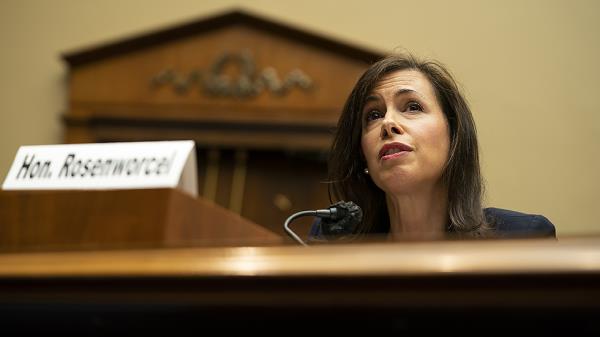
point(113, 98)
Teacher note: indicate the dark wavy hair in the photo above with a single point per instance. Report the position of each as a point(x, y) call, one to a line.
point(461, 174)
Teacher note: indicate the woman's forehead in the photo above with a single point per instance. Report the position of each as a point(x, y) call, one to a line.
point(407, 79)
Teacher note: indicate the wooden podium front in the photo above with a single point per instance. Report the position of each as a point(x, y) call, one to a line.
point(471, 288)
point(108, 219)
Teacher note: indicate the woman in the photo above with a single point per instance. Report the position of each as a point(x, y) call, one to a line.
point(406, 152)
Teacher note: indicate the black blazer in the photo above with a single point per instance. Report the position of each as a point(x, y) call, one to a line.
point(506, 224)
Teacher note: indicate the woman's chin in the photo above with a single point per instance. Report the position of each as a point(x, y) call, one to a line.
point(398, 183)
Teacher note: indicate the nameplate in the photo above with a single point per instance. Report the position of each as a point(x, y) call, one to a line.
point(133, 165)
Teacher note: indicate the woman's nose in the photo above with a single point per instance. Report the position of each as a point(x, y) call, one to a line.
point(390, 128)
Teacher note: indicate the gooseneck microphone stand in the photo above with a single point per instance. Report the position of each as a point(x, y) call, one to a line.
point(293, 217)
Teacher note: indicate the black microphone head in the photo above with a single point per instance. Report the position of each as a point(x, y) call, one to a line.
point(345, 216)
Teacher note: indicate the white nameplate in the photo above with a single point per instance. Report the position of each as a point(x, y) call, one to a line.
point(168, 164)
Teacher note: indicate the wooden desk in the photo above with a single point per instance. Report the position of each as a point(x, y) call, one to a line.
point(481, 287)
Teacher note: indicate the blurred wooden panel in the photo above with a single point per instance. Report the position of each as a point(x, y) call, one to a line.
point(114, 95)
point(125, 77)
point(161, 86)
point(282, 183)
point(206, 135)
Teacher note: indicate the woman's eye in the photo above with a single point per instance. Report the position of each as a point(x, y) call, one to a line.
point(373, 115)
point(414, 106)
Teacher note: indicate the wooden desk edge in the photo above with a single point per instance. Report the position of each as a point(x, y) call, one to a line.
point(569, 256)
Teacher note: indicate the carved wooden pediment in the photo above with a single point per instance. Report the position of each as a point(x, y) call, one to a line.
point(230, 80)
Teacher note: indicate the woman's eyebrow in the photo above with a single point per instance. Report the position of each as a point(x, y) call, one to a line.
point(371, 98)
point(405, 91)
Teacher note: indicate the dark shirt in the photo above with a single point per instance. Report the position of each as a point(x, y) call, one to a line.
point(505, 224)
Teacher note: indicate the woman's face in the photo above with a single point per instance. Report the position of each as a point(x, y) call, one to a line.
point(405, 136)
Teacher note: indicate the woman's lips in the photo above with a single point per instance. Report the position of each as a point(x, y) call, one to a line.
point(394, 150)
point(394, 155)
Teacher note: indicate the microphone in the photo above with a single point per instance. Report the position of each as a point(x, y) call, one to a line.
point(339, 219)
